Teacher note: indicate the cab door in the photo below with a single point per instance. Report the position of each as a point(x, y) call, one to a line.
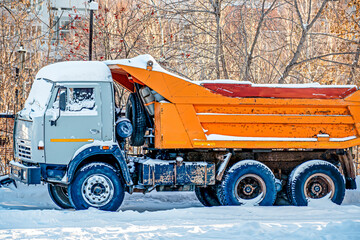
point(77, 123)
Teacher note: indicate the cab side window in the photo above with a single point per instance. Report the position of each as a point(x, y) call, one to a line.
point(81, 99)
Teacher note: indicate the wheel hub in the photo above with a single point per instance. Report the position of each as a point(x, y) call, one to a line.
point(97, 190)
point(319, 185)
point(316, 189)
point(248, 187)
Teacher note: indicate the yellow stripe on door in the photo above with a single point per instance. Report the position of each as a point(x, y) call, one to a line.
point(72, 140)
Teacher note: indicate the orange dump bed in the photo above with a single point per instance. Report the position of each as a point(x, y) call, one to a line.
point(229, 114)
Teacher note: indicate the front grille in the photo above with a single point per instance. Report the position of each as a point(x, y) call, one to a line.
point(24, 151)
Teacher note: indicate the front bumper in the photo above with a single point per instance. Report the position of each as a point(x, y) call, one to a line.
point(25, 174)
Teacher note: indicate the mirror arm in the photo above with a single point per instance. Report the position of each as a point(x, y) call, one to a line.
point(53, 122)
point(62, 107)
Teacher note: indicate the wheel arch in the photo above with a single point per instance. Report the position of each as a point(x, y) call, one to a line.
point(113, 156)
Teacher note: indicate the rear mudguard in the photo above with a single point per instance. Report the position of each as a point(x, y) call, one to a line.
point(98, 150)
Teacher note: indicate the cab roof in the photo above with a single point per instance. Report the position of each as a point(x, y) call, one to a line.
point(74, 71)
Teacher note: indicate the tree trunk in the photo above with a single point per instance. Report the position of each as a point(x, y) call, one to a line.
point(222, 56)
point(217, 6)
point(305, 29)
point(354, 65)
point(295, 57)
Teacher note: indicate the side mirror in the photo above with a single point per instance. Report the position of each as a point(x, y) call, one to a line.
point(62, 101)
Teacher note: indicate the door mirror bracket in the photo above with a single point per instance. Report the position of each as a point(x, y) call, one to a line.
point(62, 104)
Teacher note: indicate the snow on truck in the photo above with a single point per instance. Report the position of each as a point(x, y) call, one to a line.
point(232, 142)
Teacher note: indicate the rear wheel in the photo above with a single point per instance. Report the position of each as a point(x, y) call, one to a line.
point(315, 179)
point(207, 196)
point(248, 182)
point(135, 113)
point(59, 195)
point(97, 185)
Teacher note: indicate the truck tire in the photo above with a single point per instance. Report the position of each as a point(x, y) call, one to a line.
point(207, 196)
point(135, 113)
point(97, 185)
point(248, 182)
point(315, 179)
point(59, 195)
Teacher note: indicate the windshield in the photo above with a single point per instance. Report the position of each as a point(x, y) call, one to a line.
point(38, 98)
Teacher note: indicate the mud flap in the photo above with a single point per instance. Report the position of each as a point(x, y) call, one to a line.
point(120, 156)
point(350, 183)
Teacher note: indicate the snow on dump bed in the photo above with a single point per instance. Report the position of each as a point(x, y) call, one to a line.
point(231, 88)
point(303, 85)
point(218, 137)
point(141, 62)
point(28, 213)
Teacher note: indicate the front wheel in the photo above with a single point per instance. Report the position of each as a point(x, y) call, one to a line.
point(248, 182)
point(59, 195)
point(97, 185)
point(315, 179)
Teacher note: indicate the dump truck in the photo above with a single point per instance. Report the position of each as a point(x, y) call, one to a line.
point(233, 143)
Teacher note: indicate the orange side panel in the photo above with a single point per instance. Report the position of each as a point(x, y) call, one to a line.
point(355, 113)
point(354, 97)
point(169, 129)
point(191, 121)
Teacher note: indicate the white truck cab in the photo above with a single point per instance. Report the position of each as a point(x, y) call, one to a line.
point(45, 133)
point(68, 116)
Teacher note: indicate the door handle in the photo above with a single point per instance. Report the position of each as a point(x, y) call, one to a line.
point(94, 131)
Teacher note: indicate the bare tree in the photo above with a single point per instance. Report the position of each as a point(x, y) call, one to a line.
point(118, 31)
point(20, 58)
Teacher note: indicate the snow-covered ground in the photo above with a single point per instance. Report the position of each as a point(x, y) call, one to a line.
point(28, 213)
